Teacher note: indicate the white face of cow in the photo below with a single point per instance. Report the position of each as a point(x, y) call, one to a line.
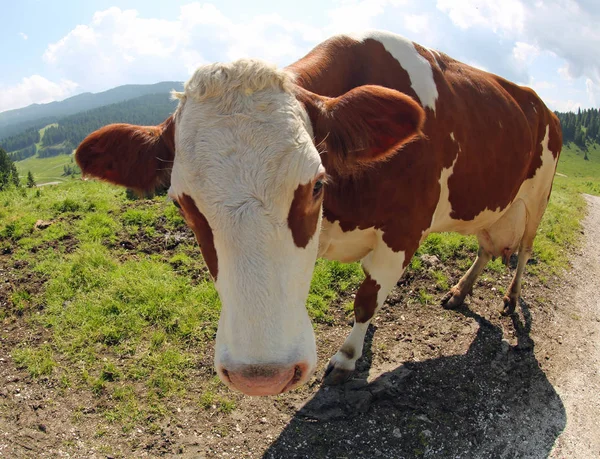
point(249, 181)
point(247, 175)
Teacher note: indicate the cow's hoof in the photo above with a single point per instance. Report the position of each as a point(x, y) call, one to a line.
point(335, 376)
point(508, 309)
point(451, 300)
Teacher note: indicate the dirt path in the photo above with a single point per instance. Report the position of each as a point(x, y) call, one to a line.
point(579, 383)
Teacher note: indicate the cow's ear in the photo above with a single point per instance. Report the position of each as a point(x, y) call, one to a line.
point(138, 157)
point(368, 123)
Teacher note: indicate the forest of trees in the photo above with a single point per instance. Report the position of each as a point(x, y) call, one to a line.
point(24, 139)
point(145, 110)
point(580, 128)
point(23, 154)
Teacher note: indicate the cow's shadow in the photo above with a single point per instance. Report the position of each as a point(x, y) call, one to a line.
point(493, 401)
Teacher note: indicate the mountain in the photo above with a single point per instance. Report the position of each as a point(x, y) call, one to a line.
point(38, 115)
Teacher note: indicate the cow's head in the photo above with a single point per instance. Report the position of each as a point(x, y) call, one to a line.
point(243, 156)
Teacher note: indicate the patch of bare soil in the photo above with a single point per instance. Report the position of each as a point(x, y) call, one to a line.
point(576, 372)
point(431, 383)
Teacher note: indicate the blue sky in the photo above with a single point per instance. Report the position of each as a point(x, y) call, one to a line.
point(62, 48)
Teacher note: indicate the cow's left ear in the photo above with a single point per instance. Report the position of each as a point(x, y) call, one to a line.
point(138, 157)
point(368, 123)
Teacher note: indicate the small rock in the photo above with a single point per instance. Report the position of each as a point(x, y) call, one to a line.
point(41, 224)
point(424, 418)
point(430, 260)
point(396, 433)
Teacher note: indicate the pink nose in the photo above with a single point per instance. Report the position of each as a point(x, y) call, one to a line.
point(265, 379)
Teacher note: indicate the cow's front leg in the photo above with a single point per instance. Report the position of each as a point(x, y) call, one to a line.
point(383, 267)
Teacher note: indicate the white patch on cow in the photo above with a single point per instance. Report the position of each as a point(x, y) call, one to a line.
point(345, 246)
point(441, 216)
point(433, 56)
point(418, 68)
point(385, 267)
point(452, 136)
point(243, 146)
point(535, 191)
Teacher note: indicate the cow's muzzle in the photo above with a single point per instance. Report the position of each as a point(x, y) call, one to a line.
point(265, 379)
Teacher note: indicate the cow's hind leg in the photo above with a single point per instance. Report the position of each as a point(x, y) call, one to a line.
point(455, 297)
point(511, 299)
point(383, 267)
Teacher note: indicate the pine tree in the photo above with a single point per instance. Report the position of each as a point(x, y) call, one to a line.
point(30, 180)
point(8, 171)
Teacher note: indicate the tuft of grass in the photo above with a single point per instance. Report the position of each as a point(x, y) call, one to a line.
point(138, 217)
point(441, 280)
point(424, 298)
point(330, 278)
point(449, 245)
point(21, 299)
point(38, 362)
point(67, 205)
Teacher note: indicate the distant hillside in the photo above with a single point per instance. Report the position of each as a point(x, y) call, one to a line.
point(146, 110)
point(38, 115)
point(64, 135)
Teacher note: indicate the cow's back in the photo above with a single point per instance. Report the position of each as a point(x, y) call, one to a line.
point(483, 139)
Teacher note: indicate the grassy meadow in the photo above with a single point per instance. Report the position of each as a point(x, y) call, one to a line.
point(126, 307)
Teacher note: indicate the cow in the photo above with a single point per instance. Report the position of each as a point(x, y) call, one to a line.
point(357, 151)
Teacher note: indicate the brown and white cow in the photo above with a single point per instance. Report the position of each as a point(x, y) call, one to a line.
point(357, 151)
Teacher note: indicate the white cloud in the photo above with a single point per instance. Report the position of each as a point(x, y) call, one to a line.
point(23, 35)
point(507, 15)
point(568, 105)
point(593, 92)
point(524, 52)
point(417, 23)
point(119, 46)
point(541, 85)
point(34, 89)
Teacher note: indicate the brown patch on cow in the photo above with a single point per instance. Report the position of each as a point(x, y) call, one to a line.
point(304, 214)
point(203, 232)
point(365, 302)
point(138, 157)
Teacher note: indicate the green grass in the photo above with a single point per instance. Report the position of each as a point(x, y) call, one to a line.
point(583, 176)
point(45, 170)
point(37, 361)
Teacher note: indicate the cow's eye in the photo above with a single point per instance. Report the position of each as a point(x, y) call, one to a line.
point(318, 188)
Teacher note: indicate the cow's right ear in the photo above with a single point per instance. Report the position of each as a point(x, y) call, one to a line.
point(137, 157)
point(367, 124)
